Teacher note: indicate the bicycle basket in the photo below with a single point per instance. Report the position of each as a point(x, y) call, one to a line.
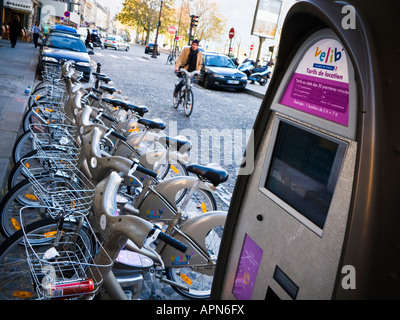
point(62, 260)
point(72, 191)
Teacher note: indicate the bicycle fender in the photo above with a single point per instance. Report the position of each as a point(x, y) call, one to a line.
point(193, 233)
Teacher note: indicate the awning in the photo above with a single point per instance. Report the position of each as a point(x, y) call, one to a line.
point(25, 6)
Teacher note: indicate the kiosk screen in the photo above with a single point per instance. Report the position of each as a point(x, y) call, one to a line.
point(304, 169)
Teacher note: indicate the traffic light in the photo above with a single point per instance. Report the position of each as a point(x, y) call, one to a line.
point(194, 21)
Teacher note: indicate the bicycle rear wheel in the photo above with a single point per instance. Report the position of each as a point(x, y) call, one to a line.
point(188, 103)
point(16, 278)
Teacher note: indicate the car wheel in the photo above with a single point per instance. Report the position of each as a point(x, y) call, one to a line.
point(117, 48)
point(127, 48)
point(207, 84)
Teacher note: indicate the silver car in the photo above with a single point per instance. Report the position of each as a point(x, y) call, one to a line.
point(116, 42)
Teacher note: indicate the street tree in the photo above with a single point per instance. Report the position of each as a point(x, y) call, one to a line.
point(212, 24)
point(143, 15)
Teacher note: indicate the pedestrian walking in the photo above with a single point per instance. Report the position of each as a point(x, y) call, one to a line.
point(36, 30)
point(88, 38)
point(15, 30)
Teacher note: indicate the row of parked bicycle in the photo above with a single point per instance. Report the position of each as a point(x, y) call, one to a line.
point(99, 196)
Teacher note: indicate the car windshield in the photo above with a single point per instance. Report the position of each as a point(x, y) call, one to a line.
point(219, 61)
point(59, 42)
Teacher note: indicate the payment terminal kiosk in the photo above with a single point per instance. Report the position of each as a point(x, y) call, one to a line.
point(318, 216)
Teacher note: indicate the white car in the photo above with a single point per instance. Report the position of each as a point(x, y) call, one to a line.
point(116, 42)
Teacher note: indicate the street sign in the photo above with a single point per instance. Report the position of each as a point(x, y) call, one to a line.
point(230, 49)
point(66, 14)
point(171, 29)
point(252, 47)
point(231, 33)
point(180, 37)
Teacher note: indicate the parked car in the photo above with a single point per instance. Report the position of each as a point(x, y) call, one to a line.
point(219, 71)
point(149, 49)
point(116, 42)
point(57, 46)
point(64, 29)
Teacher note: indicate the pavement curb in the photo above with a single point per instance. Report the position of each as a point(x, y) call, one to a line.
point(254, 93)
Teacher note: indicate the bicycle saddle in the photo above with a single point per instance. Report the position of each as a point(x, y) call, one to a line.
point(98, 74)
point(178, 143)
point(110, 90)
point(114, 102)
point(152, 124)
point(140, 110)
point(103, 77)
point(211, 172)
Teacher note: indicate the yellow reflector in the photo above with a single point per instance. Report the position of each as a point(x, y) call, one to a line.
point(48, 110)
point(15, 224)
point(51, 234)
point(203, 207)
point(37, 97)
point(186, 279)
point(22, 294)
point(174, 169)
point(136, 129)
point(31, 196)
point(27, 165)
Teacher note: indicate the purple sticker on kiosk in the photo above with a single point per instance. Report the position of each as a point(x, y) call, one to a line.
point(320, 84)
point(246, 273)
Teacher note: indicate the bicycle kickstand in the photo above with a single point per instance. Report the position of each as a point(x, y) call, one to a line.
point(153, 295)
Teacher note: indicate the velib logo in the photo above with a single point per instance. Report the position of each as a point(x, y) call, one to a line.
point(331, 55)
point(327, 59)
point(182, 259)
point(156, 213)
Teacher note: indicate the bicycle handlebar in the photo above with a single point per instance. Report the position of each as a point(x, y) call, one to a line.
point(158, 234)
point(118, 136)
point(106, 116)
point(146, 171)
point(191, 74)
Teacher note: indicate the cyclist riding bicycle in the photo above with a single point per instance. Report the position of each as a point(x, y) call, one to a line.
point(189, 59)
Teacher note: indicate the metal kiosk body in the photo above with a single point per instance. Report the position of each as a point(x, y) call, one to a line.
point(317, 216)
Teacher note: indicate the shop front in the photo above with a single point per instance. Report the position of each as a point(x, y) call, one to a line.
point(22, 8)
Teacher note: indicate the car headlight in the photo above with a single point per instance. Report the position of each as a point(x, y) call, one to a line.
point(50, 59)
point(215, 75)
point(83, 64)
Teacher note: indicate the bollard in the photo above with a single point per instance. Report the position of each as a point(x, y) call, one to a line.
point(98, 70)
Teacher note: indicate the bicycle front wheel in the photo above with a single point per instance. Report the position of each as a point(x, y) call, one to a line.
point(177, 100)
point(16, 276)
point(22, 195)
point(189, 102)
point(200, 283)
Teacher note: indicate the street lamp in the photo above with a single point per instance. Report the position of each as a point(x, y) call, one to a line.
point(155, 47)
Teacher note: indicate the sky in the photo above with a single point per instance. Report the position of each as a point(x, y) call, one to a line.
point(239, 15)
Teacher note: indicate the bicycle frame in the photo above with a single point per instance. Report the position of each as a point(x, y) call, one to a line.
point(116, 230)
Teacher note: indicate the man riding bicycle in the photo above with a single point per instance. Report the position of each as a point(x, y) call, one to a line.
point(190, 59)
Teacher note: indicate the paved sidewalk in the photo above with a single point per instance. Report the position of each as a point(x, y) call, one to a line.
point(256, 90)
point(17, 72)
